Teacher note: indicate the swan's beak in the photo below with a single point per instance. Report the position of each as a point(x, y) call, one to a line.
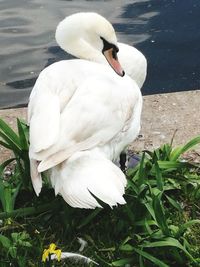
point(111, 57)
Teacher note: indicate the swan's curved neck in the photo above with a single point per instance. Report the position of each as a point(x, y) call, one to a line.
point(89, 36)
point(77, 40)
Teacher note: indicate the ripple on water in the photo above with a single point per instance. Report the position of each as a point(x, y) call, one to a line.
point(166, 31)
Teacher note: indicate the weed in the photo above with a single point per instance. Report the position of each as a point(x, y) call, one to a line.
point(159, 225)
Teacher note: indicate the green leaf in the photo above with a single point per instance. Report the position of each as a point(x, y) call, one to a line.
point(159, 178)
point(159, 214)
point(22, 136)
point(25, 128)
point(175, 154)
point(24, 243)
point(186, 225)
point(14, 194)
point(148, 228)
point(174, 203)
point(151, 258)
point(168, 242)
point(150, 210)
point(6, 197)
point(5, 128)
point(122, 262)
point(126, 247)
point(4, 144)
point(169, 165)
point(132, 185)
point(141, 261)
point(141, 172)
point(13, 146)
point(5, 242)
point(13, 252)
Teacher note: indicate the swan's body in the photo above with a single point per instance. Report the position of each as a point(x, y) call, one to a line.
point(82, 115)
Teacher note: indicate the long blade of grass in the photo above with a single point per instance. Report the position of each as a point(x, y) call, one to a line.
point(159, 178)
point(14, 194)
point(126, 247)
point(2, 195)
point(22, 136)
point(133, 187)
point(5, 145)
point(13, 146)
point(5, 242)
point(168, 242)
point(141, 262)
point(25, 128)
point(22, 212)
point(175, 154)
point(5, 128)
point(141, 172)
point(6, 196)
point(170, 165)
point(174, 203)
point(122, 262)
point(150, 210)
point(151, 258)
point(159, 214)
point(148, 228)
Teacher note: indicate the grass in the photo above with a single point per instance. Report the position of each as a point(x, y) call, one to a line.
point(159, 225)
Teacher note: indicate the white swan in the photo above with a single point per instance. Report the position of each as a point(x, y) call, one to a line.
point(82, 114)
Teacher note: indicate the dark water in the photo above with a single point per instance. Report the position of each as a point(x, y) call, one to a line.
point(166, 31)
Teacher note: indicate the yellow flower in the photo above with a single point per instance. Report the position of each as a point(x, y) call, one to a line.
point(51, 250)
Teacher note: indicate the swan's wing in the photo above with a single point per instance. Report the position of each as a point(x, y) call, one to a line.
point(52, 91)
point(44, 120)
point(44, 116)
point(96, 113)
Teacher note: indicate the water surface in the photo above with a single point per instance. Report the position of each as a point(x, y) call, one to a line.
point(166, 31)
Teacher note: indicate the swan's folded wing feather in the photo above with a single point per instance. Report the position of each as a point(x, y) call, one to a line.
point(44, 121)
point(92, 118)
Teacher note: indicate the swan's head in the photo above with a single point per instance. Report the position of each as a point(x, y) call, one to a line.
point(89, 36)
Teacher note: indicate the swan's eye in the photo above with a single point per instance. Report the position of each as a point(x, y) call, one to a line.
point(114, 54)
point(108, 46)
point(116, 49)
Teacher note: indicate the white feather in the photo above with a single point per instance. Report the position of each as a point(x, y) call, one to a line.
point(75, 256)
point(82, 243)
point(35, 176)
point(86, 174)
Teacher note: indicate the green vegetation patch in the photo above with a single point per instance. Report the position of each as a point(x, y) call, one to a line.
point(159, 225)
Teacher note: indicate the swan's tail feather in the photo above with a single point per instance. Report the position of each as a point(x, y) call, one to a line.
point(35, 176)
point(86, 176)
